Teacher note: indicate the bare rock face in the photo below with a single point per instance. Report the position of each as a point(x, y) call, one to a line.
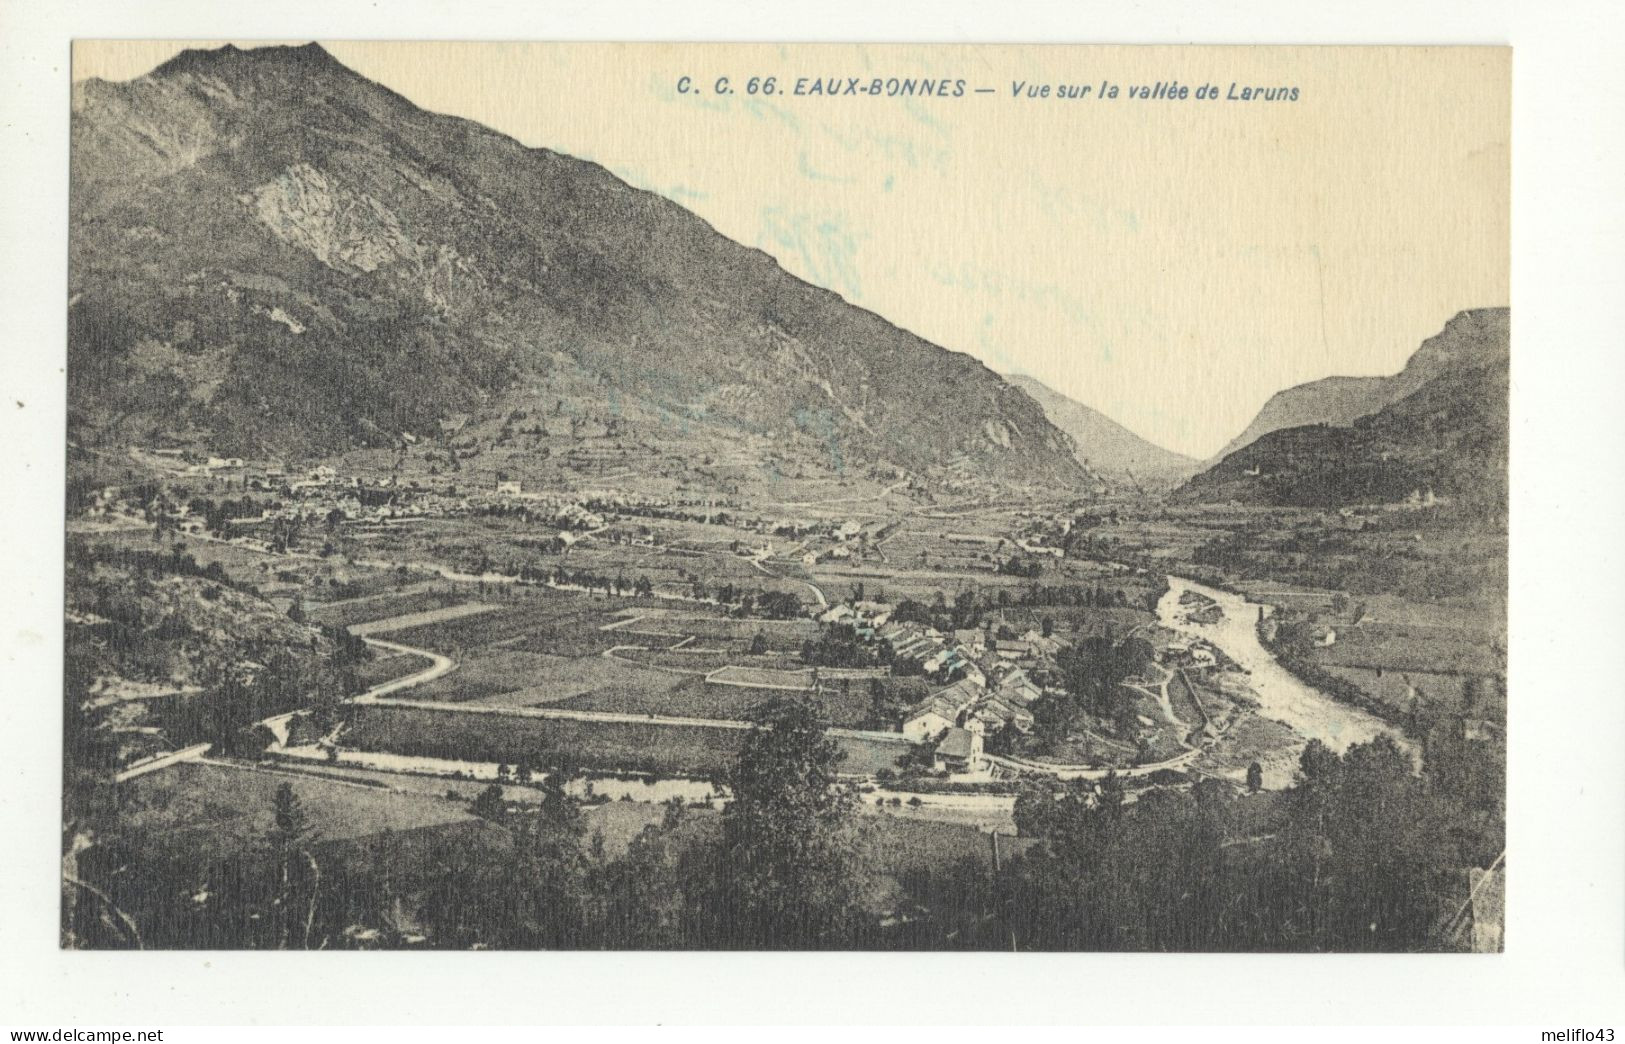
point(431, 266)
point(346, 231)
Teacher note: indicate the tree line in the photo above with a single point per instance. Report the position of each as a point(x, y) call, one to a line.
point(1360, 855)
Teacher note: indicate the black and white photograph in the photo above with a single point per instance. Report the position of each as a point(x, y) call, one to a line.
point(532, 532)
point(730, 521)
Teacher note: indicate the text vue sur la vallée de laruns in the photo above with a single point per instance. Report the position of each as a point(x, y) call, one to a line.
point(952, 87)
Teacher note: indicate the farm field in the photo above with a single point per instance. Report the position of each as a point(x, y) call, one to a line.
point(687, 751)
point(363, 610)
point(422, 618)
point(667, 750)
point(226, 808)
point(1184, 702)
point(537, 620)
point(1422, 649)
point(778, 634)
point(1394, 689)
point(695, 698)
point(387, 667)
point(488, 674)
point(566, 681)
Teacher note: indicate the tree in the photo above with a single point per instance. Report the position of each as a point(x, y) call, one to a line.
point(1112, 796)
point(288, 812)
point(289, 832)
point(490, 805)
point(1093, 672)
point(787, 873)
point(1255, 777)
point(1317, 760)
point(1367, 852)
point(558, 811)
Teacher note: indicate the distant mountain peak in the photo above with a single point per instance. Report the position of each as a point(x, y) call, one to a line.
point(1471, 338)
point(310, 57)
point(1105, 447)
point(1439, 426)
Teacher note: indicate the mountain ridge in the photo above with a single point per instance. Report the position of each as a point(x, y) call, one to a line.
point(1445, 437)
point(1104, 445)
point(282, 255)
point(1340, 400)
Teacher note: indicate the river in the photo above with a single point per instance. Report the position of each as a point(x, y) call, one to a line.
point(1281, 695)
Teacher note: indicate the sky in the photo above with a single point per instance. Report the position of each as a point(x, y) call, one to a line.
point(1171, 263)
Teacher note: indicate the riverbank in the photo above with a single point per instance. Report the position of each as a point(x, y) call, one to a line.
point(1282, 696)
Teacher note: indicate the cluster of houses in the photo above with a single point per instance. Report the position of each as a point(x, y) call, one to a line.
point(987, 683)
point(317, 492)
point(843, 535)
point(956, 719)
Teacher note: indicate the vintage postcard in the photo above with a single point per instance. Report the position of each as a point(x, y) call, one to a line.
point(807, 497)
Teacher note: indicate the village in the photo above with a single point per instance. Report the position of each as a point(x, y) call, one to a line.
point(974, 687)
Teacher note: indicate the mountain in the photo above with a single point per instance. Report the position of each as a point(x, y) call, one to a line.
point(271, 254)
point(1105, 446)
point(1447, 436)
point(1341, 400)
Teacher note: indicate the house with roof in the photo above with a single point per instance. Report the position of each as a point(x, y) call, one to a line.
point(916, 647)
point(1013, 649)
point(930, 718)
point(838, 614)
point(953, 662)
point(1045, 646)
point(961, 693)
point(1011, 675)
point(941, 710)
point(972, 673)
point(994, 713)
point(934, 663)
point(959, 750)
point(1021, 693)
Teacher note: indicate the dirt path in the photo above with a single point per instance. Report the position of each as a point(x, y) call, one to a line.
point(428, 616)
point(439, 666)
point(1162, 698)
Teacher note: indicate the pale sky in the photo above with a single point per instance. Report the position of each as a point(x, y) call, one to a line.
point(1170, 263)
